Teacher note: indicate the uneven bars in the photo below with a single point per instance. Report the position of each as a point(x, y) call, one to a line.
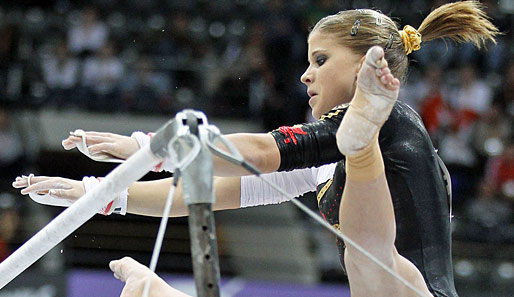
point(77, 214)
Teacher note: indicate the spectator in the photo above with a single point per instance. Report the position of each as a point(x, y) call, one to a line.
point(500, 171)
point(505, 96)
point(101, 78)
point(488, 215)
point(472, 98)
point(177, 41)
point(468, 103)
point(433, 101)
point(60, 74)
point(9, 221)
point(9, 50)
point(282, 47)
point(12, 155)
point(491, 133)
point(146, 89)
point(89, 35)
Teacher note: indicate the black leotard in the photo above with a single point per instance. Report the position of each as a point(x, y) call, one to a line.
point(414, 177)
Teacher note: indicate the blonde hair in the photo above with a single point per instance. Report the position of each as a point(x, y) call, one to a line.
point(361, 29)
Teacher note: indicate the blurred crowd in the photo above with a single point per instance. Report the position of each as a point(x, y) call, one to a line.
point(243, 59)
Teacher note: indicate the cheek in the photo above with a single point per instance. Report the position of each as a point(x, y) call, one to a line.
point(350, 85)
point(341, 90)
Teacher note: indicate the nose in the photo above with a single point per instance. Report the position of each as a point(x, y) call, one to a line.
point(307, 77)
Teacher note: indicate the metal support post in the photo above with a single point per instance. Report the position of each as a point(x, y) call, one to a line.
point(197, 184)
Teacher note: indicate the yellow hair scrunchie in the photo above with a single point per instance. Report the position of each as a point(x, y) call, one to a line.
point(411, 39)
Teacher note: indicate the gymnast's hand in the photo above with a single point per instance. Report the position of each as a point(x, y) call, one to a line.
point(135, 275)
point(100, 143)
point(63, 192)
point(67, 190)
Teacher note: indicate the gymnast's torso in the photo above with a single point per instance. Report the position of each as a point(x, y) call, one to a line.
point(415, 179)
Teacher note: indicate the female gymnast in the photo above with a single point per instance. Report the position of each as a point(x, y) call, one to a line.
point(337, 49)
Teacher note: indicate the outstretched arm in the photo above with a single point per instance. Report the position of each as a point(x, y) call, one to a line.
point(144, 198)
point(259, 149)
point(148, 198)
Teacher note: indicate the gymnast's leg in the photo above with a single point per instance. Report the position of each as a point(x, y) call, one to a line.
point(366, 212)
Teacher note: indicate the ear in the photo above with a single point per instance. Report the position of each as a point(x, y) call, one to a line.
point(361, 62)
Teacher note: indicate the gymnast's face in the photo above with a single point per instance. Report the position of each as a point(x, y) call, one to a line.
point(331, 75)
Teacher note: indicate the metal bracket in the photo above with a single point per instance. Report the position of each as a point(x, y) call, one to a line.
point(185, 138)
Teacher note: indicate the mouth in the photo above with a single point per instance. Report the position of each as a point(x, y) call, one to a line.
point(311, 100)
point(312, 96)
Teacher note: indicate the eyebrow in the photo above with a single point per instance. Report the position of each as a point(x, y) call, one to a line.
point(315, 52)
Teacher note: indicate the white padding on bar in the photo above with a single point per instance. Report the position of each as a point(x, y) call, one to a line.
point(77, 214)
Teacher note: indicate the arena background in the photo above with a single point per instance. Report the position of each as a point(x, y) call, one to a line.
point(121, 66)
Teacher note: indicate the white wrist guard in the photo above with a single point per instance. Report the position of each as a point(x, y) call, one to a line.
point(117, 206)
point(142, 140)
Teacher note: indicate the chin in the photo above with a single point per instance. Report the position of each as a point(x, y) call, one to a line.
point(316, 115)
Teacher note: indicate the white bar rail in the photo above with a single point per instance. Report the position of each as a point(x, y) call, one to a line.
point(77, 214)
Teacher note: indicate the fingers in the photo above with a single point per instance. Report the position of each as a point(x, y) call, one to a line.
point(122, 268)
point(20, 182)
point(23, 181)
point(101, 134)
point(116, 268)
point(91, 138)
point(63, 193)
point(70, 142)
point(47, 185)
point(55, 187)
point(101, 148)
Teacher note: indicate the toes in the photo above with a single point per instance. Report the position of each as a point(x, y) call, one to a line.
point(385, 75)
point(385, 70)
point(375, 57)
point(384, 79)
point(394, 84)
point(382, 63)
point(389, 81)
point(382, 72)
point(376, 77)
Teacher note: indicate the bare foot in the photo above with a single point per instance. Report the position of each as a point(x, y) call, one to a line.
point(376, 93)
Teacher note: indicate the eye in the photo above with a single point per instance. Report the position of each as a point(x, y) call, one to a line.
point(320, 60)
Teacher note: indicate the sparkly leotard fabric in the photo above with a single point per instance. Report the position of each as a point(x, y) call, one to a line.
point(414, 177)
